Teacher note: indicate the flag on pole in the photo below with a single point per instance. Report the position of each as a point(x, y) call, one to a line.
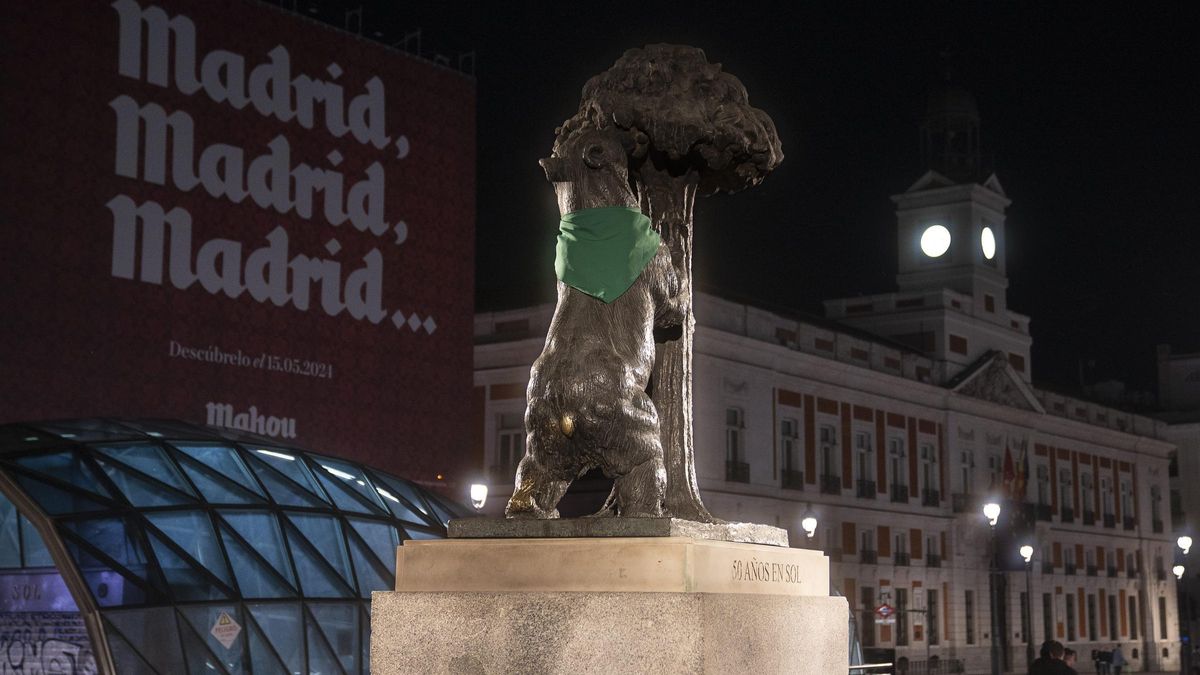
point(1010, 473)
point(1022, 479)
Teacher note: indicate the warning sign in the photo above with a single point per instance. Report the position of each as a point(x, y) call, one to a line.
point(226, 630)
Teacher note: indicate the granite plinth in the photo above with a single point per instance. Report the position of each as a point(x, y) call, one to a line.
point(495, 633)
point(615, 564)
point(532, 528)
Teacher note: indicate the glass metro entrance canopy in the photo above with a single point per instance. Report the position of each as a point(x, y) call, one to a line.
point(156, 546)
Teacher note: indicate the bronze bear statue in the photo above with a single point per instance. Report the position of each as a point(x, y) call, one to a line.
point(587, 401)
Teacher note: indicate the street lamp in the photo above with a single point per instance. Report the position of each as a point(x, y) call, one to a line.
point(478, 495)
point(809, 523)
point(991, 511)
point(1185, 543)
point(1027, 554)
point(1178, 570)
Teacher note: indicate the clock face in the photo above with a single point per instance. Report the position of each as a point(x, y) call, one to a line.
point(987, 240)
point(935, 241)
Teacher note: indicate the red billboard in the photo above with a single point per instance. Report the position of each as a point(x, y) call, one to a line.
point(222, 212)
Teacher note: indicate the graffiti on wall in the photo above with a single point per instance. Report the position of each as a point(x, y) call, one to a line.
point(45, 643)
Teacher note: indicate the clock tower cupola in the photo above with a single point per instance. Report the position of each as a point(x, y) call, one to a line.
point(951, 252)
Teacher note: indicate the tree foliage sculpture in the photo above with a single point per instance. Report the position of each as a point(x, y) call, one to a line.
point(689, 129)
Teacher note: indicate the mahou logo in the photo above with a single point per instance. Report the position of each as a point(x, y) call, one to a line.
point(223, 415)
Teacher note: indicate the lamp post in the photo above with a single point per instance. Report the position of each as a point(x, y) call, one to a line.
point(1027, 554)
point(1183, 602)
point(809, 524)
point(991, 511)
point(479, 493)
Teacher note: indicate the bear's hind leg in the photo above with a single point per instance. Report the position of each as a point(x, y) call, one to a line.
point(537, 492)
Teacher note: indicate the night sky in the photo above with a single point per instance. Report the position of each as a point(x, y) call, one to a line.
point(1089, 117)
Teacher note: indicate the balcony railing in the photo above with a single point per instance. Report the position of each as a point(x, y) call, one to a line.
point(737, 472)
point(1112, 571)
point(899, 493)
point(932, 560)
point(831, 484)
point(865, 489)
point(1157, 525)
point(930, 498)
point(793, 480)
point(1068, 568)
point(1089, 517)
point(1110, 520)
point(900, 559)
point(1066, 514)
point(1128, 522)
point(960, 502)
point(1091, 570)
point(1043, 512)
point(868, 557)
point(1047, 567)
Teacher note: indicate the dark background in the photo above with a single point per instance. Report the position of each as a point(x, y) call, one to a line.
point(1089, 118)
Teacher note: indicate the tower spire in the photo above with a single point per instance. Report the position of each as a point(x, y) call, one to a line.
point(950, 129)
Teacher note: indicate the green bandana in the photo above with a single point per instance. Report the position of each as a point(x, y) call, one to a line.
point(602, 251)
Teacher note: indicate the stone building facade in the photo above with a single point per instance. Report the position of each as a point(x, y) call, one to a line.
point(892, 419)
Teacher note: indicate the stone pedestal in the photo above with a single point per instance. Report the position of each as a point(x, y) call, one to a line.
point(608, 605)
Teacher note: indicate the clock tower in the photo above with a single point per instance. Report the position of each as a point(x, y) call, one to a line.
point(951, 252)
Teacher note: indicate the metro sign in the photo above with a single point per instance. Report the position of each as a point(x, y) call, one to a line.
point(884, 611)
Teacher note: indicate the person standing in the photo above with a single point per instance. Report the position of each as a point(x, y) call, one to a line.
point(1051, 661)
point(1118, 660)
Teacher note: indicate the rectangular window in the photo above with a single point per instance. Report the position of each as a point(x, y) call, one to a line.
point(867, 627)
point(734, 424)
point(995, 471)
point(1114, 633)
point(1162, 618)
point(1070, 618)
point(866, 541)
point(510, 443)
point(830, 455)
point(969, 616)
point(1066, 486)
point(897, 462)
point(1043, 484)
point(929, 468)
point(1017, 362)
point(1126, 500)
point(1106, 496)
point(864, 450)
point(791, 453)
point(958, 344)
point(1133, 618)
point(966, 471)
point(989, 302)
point(902, 617)
point(1047, 617)
point(931, 616)
point(1091, 618)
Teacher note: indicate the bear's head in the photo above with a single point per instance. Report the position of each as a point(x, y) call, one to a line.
point(590, 169)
